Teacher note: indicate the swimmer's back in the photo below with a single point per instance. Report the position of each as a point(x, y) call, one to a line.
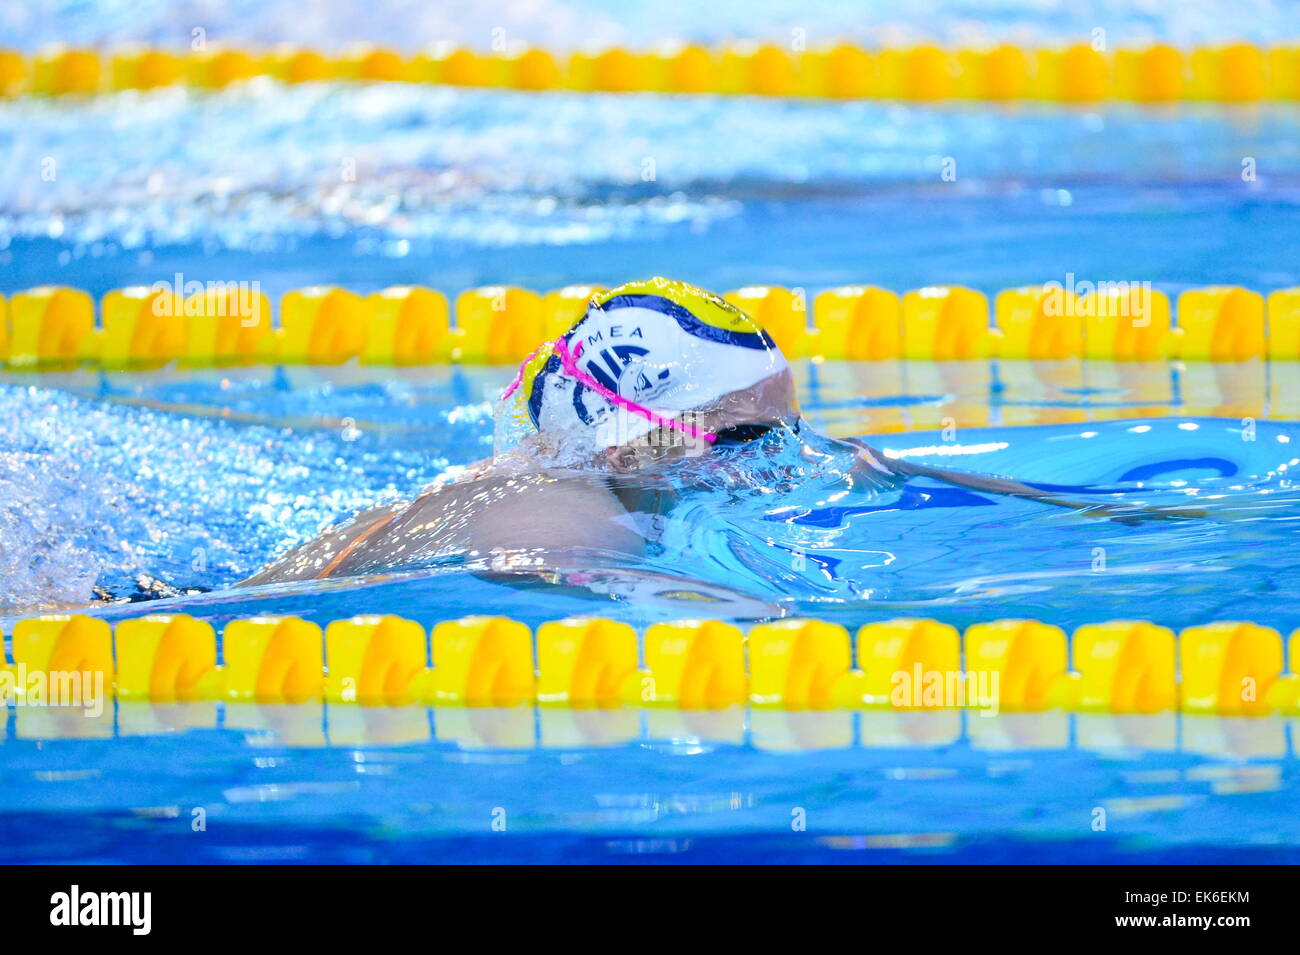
point(537, 512)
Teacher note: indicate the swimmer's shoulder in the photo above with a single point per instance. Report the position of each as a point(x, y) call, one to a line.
point(320, 556)
point(543, 509)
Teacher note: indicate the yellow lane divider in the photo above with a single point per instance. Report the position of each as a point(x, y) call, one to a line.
point(1078, 73)
point(1224, 668)
point(53, 327)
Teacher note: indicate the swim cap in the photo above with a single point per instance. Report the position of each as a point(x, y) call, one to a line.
point(641, 355)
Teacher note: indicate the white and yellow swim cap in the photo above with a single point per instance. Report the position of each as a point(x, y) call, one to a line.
point(643, 354)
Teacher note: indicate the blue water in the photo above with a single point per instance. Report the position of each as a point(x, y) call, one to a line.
point(1013, 789)
point(457, 188)
point(574, 24)
point(200, 498)
point(113, 482)
point(197, 485)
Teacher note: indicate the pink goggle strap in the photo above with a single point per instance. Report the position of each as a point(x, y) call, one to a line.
point(570, 365)
point(519, 378)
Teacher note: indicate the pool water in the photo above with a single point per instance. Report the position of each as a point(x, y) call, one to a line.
point(119, 486)
point(868, 788)
point(371, 186)
point(196, 483)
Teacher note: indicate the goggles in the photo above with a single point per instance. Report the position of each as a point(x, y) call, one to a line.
point(728, 437)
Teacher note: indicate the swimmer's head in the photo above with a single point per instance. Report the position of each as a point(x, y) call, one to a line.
point(736, 419)
point(656, 367)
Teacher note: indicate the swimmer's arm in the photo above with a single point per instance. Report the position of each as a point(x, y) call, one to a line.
point(506, 520)
point(996, 485)
point(980, 482)
point(546, 511)
point(313, 559)
point(531, 454)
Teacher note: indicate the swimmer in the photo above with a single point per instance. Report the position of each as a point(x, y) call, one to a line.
point(655, 372)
